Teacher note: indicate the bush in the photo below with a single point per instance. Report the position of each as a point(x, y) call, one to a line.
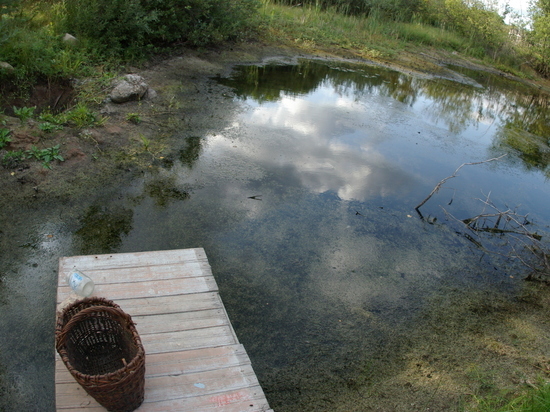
point(134, 26)
point(29, 43)
point(113, 25)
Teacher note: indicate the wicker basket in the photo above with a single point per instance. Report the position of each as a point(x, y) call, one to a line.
point(101, 348)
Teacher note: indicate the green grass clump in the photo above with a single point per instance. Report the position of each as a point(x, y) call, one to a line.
point(534, 399)
point(422, 34)
point(32, 46)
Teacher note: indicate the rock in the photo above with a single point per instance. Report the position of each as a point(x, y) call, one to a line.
point(70, 39)
point(6, 66)
point(151, 94)
point(131, 87)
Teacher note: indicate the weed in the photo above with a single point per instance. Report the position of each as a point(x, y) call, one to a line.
point(49, 127)
point(45, 155)
point(535, 398)
point(13, 158)
point(94, 89)
point(51, 122)
point(174, 103)
point(145, 142)
point(82, 116)
point(484, 379)
point(133, 118)
point(4, 137)
point(24, 113)
point(48, 117)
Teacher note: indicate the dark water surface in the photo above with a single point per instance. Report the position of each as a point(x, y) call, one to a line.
point(304, 202)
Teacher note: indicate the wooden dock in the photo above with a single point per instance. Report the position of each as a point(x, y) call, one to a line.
point(193, 360)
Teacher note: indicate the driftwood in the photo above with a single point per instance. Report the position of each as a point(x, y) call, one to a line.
point(521, 243)
point(442, 182)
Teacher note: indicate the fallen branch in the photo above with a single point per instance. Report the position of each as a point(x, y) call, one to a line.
point(442, 182)
point(523, 244)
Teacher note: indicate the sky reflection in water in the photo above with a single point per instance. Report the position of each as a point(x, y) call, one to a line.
point(327, 271)
point(390, 135)
point(327, 263)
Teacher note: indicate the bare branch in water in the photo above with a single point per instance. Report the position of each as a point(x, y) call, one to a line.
point(442, 182)
point(523, 244)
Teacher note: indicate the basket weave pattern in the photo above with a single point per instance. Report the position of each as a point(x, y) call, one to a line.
point(100, 346)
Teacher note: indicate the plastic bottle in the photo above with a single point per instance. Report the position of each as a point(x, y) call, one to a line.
point(80, 283)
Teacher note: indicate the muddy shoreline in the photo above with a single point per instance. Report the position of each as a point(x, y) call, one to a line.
point(99, 154)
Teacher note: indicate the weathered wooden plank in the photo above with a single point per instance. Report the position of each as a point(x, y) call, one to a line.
point(173, 322)
point(164, 287)
point(144, 273)
point(197, 360)
point(107, 261)
point(200, 383)
point(181, 386)
point(176, 363)
point(171, 304)
point(249, 399)
point(183, 340)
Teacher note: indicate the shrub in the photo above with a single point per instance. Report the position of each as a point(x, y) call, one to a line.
point(30, 44)
point(134, 26)
point(114, 25)
point(4, 137)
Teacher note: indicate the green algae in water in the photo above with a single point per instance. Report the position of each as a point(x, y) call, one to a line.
point(303, 199)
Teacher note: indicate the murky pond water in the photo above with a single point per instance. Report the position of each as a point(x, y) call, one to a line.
point(305, 205)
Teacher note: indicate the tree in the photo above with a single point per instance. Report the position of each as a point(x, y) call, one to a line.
point(540, 35)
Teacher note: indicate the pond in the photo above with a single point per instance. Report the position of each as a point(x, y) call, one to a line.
point(304, 201)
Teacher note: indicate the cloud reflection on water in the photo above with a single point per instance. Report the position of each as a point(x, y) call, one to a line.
point(323, 140)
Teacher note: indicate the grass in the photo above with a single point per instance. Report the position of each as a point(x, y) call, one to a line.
point(313, 29)
point(535, 398)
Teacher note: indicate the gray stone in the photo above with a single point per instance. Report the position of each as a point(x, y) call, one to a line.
point(6, 66)
point(70, 39)
point(131, 87)
point(151, 94)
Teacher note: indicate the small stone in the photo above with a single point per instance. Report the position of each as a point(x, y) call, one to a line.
point(151, 94)
point(131, 87)
point(6, 66)
point(70, 39)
